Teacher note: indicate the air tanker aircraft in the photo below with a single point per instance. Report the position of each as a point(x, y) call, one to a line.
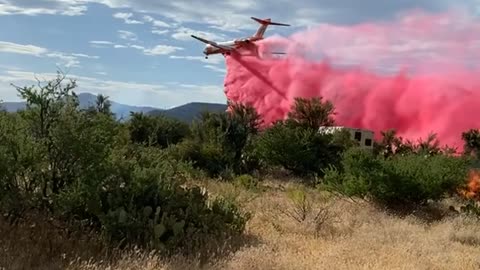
point(227, 47)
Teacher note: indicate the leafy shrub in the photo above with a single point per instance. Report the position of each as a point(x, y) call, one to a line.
point(296, 143)
point(208, 156)
point(222, 142)
point(143, 202)
point(300, 150)
point(20, 165)
point(158, 131)
point(409, 179)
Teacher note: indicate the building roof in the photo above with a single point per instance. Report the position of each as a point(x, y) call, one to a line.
point(335, 128)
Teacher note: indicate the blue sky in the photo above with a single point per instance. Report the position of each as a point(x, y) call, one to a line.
point(140, 52)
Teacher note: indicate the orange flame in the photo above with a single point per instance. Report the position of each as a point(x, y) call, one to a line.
point(472, 190)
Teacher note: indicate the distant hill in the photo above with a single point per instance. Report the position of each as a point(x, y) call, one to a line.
point(190, 111)
point(185, 112)
point(87, 99)
point(120, 110)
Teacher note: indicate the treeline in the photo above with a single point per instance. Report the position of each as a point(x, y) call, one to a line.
point(127, 179)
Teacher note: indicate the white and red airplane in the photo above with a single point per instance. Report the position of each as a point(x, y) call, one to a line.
point(227, 47)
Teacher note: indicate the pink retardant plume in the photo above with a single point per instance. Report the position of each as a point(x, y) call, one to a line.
point(439, 91)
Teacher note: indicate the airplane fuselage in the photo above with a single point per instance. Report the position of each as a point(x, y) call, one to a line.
point(234, 44)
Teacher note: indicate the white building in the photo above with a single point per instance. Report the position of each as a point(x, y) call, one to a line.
point(363, 136)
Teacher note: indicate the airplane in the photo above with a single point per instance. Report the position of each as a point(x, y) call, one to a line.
point(227, 47)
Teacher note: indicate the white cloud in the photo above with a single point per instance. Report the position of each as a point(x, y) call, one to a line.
point(85, 55)
point(45, 7)
point(228, 15)
point(100, 43)
point(127, 35)
point(126, 18)
point(234, 15)
point(138, 47)
point(10, 47)
point(85, 82)
point(215, 68)
point(156, 50)
point(108, 44)
point(68, 59)
point(160, 32)
point(162, 50)
point(133, 93)
point(184, 33)
point(156, 23)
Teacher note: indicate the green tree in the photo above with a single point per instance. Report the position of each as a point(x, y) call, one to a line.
point(296, 143)
point(21, 165)
point(298, 149)
point(391, 145)
point(73, 143)
point(243, 125)
point(429, 146)
point(46, 105)
point(312, 113)
point(222, 142)
point(158, 131)
point(471, 140)
point(103, 104)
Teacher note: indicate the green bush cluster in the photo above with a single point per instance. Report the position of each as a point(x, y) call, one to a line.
point(299, 150)
point(83, 166)
point(158, 131)
point(400, 180)
point(222, 144)
point(235, 143)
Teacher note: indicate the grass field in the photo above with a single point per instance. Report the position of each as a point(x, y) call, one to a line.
point(285, 232)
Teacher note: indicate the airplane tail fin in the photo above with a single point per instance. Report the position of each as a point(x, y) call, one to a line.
point(264, 24)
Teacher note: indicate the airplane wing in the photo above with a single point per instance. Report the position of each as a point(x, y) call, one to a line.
point(214, 44)
point(269, 21)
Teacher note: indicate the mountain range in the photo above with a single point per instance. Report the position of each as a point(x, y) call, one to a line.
point(186, 112)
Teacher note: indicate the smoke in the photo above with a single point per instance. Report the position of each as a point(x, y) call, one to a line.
point(418, 74)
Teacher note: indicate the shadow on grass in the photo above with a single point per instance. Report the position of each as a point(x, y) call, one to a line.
point(429, 212)
point(41, 243)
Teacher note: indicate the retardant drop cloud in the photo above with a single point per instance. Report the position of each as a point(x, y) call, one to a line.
point(418, 75)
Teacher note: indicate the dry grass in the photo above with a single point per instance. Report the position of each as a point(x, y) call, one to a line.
point(335, 234)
